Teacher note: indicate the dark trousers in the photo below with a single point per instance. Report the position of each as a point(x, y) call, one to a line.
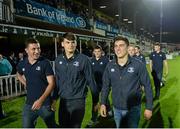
point(71, 113)
point(157, 77)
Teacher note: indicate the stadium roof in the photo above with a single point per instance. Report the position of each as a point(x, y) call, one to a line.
point(147, 15)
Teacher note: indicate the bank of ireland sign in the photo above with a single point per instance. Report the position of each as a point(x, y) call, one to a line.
point(47, 13)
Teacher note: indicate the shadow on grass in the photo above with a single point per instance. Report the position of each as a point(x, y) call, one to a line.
point(105, 123)
point(11, 117)
point(157, 120)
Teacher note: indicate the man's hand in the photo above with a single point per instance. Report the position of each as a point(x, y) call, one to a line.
point(147, 114)
point(96, 107)
point(53, 105)
point(165, 74)
point(37, 105)
point(103, 111)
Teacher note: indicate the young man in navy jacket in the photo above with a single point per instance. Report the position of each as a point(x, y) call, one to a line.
point(99, 63)
point(73, 74)
point(139, 55)
point(125, 75)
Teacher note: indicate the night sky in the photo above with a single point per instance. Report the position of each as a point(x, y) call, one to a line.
point(148, 15)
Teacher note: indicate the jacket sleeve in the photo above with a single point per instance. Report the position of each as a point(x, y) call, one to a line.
point(106, 86)
point(145, 81)
point(90, 79)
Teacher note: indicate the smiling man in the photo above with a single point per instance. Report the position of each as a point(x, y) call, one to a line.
point(36, 74)
point(125, 75)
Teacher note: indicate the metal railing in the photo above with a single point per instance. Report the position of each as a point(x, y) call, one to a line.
point(10, 87)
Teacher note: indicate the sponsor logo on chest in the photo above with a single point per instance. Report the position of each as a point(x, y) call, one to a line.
point(76, 63)
point(130, 70)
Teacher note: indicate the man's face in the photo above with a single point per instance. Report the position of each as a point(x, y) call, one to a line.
point(136, 50)
point(69, 45)
point(21, 55)
point(33, 51)
point(120, 48)
point(97, 53)
point(1, 56)
point(156, 48)
point(131, 50)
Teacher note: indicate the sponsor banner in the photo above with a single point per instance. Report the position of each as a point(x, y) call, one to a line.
point(106, 27)
point(101, 25)
point(110, 34)
point(114, 30)
point(28, 8)
point(26, 31)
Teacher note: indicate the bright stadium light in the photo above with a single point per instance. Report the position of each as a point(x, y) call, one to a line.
point(125, 19)
point(130, 22)
point(102, 6)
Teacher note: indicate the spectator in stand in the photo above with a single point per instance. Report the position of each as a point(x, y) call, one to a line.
point(13, 62)
point(5, 66)
point(157, 61)
point(5, 69)
point(20, 56)
point(138, 54)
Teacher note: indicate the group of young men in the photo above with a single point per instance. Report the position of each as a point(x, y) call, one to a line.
point(73, 73)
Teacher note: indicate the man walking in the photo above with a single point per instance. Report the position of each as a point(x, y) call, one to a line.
point(139, 55)
point(73, 73)
point(36, 74)
point(99, 63)
point(125, 75)
point(157, 61)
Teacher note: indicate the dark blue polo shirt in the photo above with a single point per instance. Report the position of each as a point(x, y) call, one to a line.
point(141, 58)
point(72, 76)
point(157, 61)
point(36, 81)
point(98, 68)
point(126, 82)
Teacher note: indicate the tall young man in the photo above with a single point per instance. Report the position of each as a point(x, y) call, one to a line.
point(36, 74)
point(73, 73)
point(157, 61)
point(125, 75)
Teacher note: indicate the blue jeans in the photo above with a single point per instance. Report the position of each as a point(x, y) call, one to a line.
point(30, 117)
point(127, 118)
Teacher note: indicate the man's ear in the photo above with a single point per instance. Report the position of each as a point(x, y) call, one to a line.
point(62, 44)
point(26, 50)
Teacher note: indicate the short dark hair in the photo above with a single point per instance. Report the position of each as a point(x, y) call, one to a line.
point(97, 47)
point(138, 47)
point(69, 36)
point(157, 44)
point(123, 39)
point(31, 41)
